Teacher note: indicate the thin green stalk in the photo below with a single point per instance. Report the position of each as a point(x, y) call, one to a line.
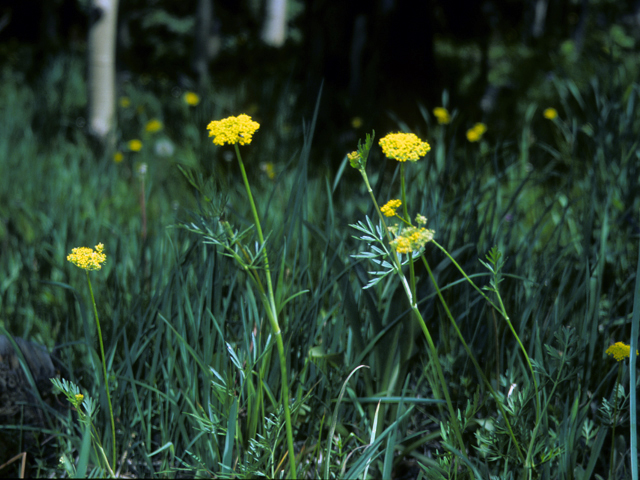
point(503, 312)
point(418, 315)
point(615, 420)
point(473, 359)
point(273, 319)
point(104, 370)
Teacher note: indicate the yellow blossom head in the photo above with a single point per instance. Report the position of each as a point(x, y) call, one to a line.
point(550, 113)
point(403, 147)
point(124, 102)
point(233, 130)
point(356, 122)
point(475, 133)
point(88, 259)
point(153, 126)
point(442, 115)
point(191, 98)
point(412, 239)
point(78, 399)
point(619, 350)
point(389, 208)
point(118, 157)
point(134, 145)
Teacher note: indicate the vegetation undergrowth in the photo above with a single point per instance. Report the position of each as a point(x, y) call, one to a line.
point(276, 323)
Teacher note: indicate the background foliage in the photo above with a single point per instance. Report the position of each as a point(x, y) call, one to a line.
point(195, 381)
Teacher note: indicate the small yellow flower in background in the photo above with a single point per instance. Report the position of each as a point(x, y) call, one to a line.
point(475, 133)
point(421, 219)
point(153, 126)
point(619, 350)
point(233, 130)
point(389, 208)
point(191, 98)
point(118, 157)
point(79, 397)
point(88, 259)
point(124, 102)
point(442, 114)
point(550, 113)
point(403, 147)
point(356, 122)
point(268, 168)
point(134, 145)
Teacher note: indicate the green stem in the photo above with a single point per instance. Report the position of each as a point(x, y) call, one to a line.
point(104, 370)
point(423, 325)
point(272, 314)
point(615, 420)
point(473, 359)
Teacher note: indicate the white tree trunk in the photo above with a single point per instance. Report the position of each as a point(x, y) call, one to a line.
point(102, 72)
point(275, 23)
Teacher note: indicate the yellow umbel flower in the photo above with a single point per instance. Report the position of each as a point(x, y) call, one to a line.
point(233, 130)
point(134, 145)
point(88, 259)
point(550, 113)
point(153, 126)
point(475, 133)
point(412, 239)
point(619, 350)
point(403, 147)
point(389, 208)
point(442, 114)
point(191, 98)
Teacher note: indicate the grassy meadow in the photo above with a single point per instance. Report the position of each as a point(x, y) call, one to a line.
point(477, 353)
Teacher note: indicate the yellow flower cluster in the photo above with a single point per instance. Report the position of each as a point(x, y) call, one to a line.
point(153, 126)
point(403, 147)
point(619, 350)
point(389, 208)
point(475, 133)
point(88, 259)
point(412, 239)
point(233, 130)
point(191, 98)
point(134, 145)
point(442, 114)
point(550, 113)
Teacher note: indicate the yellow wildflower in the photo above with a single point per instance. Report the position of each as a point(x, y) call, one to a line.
point(153, 126)
point(550, 113)
point(475, 133)
point(124, 102)
point(79, 397)
point(134, 145)
point(233, 130)
point(442, 114)
point(403, 147)
point(191, 98)
point(619, 350)
point(88, 259)
point(356, 122)
point(389, 208)
point(118, 157)
point(412, 239)
point(268, 168)
point(421, 219)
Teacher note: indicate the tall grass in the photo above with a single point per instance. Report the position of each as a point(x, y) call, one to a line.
point(194, 375)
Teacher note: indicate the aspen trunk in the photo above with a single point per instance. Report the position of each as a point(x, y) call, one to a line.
point(102, 76)
point(274, 29)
